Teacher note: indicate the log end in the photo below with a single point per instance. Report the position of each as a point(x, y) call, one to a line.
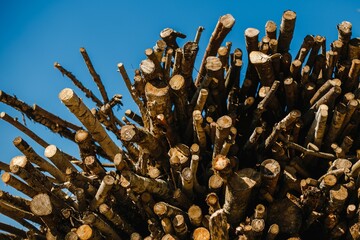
point(81, 135)
point(20, 161)
point(50, 151)
point(213, 64)
point(128, 133)
point(66, 95)
point(257, 57)
point(289, 15)
point(160, 209)
point(224, 122)
point(177, 82)
point(5, 177)
point(201, 233)
point(227, 20)
point(84, 232)
point(251, 32)
point(41, 205)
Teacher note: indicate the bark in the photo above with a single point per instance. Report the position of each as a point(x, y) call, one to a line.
point(180, 227)
point(24, 129)
point(18, 202)
point(116, 219)
point(218, 226)
point(242, 183)
point(141, 184)
point(60, 159)
point(12, 230)
point(8, 179)
point(93, 220)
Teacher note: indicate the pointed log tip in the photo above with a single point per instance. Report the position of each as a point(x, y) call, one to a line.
point(66, 94)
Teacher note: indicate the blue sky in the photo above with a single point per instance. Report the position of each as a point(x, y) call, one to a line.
point(35, 34)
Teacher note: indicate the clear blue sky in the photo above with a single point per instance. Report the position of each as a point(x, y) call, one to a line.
point(35, 34)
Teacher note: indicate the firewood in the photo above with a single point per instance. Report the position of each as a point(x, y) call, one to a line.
point(273, 155)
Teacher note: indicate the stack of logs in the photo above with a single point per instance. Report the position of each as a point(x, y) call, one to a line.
point(275, 157)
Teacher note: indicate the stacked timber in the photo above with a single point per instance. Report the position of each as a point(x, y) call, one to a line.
point(206, 155)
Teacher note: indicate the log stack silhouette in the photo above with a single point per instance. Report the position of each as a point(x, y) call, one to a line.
point(207, 155)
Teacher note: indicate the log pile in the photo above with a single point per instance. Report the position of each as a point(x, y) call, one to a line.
point(275, 155)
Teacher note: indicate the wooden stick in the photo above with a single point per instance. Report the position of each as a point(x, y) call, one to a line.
point(93, 220)
point(223, 125)
point(133, 116)
point(59, 158)
point(270, 29)
point(115, 218)
point(223, 27)
point(239, 183)
point(195, 215)
point(133, 93)
point(262, 63)
point(56, 119)
point(141, 184)
point(10, 229)
point(24, 129)
point(287, 27)
point(77, 83)
point(7, 178)
point(169, 35)
point(95, 76)
point(101, 194)
point(78, 108)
